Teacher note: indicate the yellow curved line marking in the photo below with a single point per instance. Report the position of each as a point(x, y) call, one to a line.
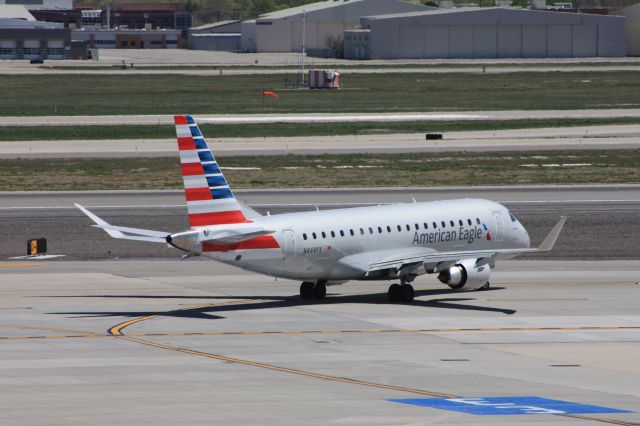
point(287, 370)
point(116, 330)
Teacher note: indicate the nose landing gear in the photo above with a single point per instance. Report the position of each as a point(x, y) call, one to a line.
point(313, 290)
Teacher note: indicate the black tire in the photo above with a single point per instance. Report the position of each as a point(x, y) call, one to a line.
point(406, 293)
point(485, 287)
point(319, 290)
point(394, 293)
point(306, 290)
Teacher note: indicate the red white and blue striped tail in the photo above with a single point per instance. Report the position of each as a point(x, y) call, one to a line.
point(210, 201)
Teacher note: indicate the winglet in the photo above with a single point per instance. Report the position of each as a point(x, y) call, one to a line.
point(549, 241)
point(101, 223)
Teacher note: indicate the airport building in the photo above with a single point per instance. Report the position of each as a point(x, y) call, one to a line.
point(324, 25)
point(632, 28)
point(486, 33)
point(22, 37)
point(128, 39)
point(223, 36)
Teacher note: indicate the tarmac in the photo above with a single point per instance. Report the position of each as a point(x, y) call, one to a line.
point(194, 342)
point(158, 119)
point(564, 138)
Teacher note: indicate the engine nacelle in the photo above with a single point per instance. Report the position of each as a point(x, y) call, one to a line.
point(465, 276)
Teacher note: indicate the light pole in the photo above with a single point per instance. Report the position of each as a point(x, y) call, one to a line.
point(304, 24)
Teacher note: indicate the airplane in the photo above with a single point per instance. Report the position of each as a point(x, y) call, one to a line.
point(459, 240)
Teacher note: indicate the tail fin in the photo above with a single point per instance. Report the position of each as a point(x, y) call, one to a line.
point(210, 201)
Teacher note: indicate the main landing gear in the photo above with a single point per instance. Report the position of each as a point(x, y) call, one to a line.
point(402, 292)
point(313, 290)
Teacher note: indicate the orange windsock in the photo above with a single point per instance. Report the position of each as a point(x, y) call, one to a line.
point(270, 94)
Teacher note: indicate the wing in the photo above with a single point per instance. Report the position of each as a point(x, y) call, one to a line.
point(125, 233)
point(435, 261)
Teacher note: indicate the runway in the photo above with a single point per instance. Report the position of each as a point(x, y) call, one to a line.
point(604, 220)
point(565, 138)
point(117, 120)
point(194, 342)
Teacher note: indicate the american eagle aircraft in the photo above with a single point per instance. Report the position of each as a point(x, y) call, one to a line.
point(459, 240)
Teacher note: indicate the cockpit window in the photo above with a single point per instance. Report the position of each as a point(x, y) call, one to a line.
point(513, 218)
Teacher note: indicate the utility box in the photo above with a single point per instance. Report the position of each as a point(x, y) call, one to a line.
point(323, 79)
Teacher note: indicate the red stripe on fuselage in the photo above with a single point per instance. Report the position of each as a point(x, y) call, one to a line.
point(186, 144)
point(192, 169)
point(216, 218)
point(180, 119)
point(197, 194)
point(263, 242)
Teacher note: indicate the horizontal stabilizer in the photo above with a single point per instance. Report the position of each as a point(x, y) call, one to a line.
point(123, 232)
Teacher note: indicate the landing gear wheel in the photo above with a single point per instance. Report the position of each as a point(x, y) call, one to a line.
point(406, 293)
point(485, 287)
point(394, 293)
point(319, 290)
point(306, 290)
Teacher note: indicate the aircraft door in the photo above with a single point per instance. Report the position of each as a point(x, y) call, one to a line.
point(289, 244)
point(499, 226)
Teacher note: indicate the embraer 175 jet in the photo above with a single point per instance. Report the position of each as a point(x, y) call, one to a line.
point(457, 239)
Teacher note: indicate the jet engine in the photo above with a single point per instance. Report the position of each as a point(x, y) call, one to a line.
point(465, 276)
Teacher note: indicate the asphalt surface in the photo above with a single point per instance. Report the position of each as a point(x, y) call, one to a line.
point(193, 342)
point(565, 138)
point(117, 120)
point(604, 221)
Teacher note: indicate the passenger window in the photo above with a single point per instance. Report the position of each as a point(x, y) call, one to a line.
point(417, 226)
point(435, 225)
point(452, 223)
point(314, 235)
point(477, 221)
point(370, 230)
point(388, 228)
point(324, 235)
point(460, 222)
point(399, 228)
point(408, 227)
point(444, 225)
point(333, 234)
point(351, 232)
point(361, 231)
point(341, 233)
point(379, 230)
point(304, 236)
point(426, 226)
point(469, 222)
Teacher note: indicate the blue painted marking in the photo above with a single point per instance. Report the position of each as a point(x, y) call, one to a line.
point(190, 119)
point(195, 131)
point(508, 405)
point(484, 226)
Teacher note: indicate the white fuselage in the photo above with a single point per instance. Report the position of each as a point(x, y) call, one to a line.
point(325, 245)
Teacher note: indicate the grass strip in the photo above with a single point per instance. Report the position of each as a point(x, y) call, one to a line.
point(364, 170)
point(34, 133)
point(340, 65)
point(41, 95)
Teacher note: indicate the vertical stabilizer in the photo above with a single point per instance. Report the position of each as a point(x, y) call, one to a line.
point(210, 201)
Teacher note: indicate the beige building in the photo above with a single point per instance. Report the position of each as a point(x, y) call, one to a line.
point(281, 31)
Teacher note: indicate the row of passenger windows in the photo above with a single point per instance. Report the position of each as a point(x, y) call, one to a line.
point(388, 228)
